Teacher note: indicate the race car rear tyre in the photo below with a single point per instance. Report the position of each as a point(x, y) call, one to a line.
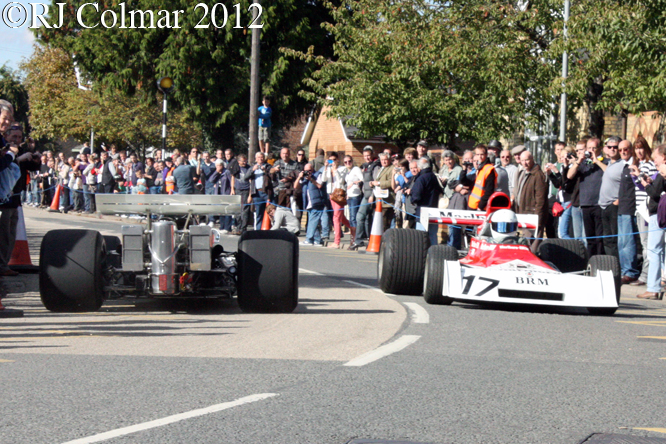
point(113, 251)
point(268, 272)
point(401, 264)
point(607, 263)
point(433, 282)
point(568, 255)
point(70, 270)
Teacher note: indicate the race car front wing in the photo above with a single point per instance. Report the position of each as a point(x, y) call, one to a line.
point(530, 286)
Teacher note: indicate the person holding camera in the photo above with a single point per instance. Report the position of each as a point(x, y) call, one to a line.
point(23, 163)
point(558, 179)
point(483, 181)
point(589, 169)
point(315, 200)
point(645, 169)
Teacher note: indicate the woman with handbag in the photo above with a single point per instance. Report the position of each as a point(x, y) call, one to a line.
point(354, 195)
point(335, 177)
point(655, 245)
point(562, 206)
point(643, 166)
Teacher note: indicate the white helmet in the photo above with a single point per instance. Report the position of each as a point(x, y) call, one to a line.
point(503, 224)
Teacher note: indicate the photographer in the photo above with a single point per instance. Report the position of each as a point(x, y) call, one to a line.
point(26, 161)
point(315, 199)
point(558, 179)
point(589, 168)
point(483, 181)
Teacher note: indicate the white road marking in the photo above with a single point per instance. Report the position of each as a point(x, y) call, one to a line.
point(383, 351)
point(171, 419)
point(303, 270)
point(419, 314)
point(363, 285)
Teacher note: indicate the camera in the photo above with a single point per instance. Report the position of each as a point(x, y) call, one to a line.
point(588, 155)
point(468, 165)
point(307, 174)
point(571, 156)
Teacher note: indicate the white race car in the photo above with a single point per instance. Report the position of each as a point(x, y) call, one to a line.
point(508, 272)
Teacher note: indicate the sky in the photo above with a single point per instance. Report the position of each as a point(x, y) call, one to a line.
point(15, 44)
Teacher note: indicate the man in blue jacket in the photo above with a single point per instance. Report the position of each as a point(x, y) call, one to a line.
point(425, 193)
point(315, 198)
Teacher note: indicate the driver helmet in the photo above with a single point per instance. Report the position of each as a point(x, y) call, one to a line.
point(503, 224)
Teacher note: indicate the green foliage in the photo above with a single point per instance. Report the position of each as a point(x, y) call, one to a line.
point(210, 67)
point(60, 109)
point(421, 68)
point(484, 68)
point(12, 90)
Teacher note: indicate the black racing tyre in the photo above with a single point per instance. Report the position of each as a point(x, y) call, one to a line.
point(401, 264)
point(70, 270)
point(114, 251)
point(434, 273)
point(568, 255)
point(268, 271)
point(608, 263)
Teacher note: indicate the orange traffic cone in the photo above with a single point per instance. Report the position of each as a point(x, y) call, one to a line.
point(266, 223)
point(55, 205)
point(20, 259)
point(376, 231)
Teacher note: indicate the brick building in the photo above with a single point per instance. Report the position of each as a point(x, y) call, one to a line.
point(332, 134)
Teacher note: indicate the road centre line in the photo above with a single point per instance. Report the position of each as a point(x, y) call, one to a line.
point(363, 285)
point(171, 419)
point(303, 270)
point(419, 314)
point(651, 429)
point(383, 351)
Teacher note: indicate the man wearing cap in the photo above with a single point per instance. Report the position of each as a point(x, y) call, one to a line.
point(483, 182)
point(495, 148)
point(422, 151)
point(365, 211)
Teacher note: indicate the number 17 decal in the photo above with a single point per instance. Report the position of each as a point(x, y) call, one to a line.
point(469, 280)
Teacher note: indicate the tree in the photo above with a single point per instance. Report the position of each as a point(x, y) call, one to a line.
point(12, 90)
point(434, 69)
point(210, 66)
point(482, 69)
point(60, 109)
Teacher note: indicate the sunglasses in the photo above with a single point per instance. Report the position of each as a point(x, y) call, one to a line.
point(612, 146)
point(348, 161)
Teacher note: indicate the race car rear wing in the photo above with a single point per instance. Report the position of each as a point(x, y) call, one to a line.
point(498, 201)
point(469, 218)
point(168, 204)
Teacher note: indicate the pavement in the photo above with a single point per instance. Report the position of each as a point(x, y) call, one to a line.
point(352, 363)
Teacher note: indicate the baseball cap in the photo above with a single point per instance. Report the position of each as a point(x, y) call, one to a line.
point(518, 149)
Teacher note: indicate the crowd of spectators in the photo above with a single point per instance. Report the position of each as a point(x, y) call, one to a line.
point(600, 193)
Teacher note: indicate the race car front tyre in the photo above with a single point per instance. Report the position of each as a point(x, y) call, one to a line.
point(606, 263)
point(433, 283)
point(401, 264)
point(568, 255)
point(70, 270)
point(268, 272)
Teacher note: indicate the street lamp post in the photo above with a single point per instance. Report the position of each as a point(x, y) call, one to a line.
point(165, 84)
point(565, 73)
